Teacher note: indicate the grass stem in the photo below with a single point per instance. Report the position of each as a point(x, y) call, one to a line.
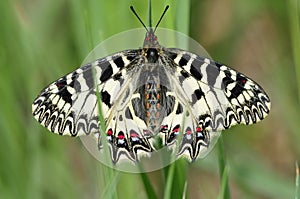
point(225, 192)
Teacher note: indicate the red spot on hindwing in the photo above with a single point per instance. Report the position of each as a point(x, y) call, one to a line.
point(164, 127)
point(176, 130)
point(188, 131)
point(109, 132)
point(133, 134)
point(198, 129)
point(121, 135)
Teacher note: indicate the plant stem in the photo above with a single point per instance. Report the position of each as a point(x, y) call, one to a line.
point(225, 192)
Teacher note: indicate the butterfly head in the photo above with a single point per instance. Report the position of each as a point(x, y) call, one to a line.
point(151, 40)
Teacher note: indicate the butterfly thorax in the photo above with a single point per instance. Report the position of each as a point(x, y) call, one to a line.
point(152, 54)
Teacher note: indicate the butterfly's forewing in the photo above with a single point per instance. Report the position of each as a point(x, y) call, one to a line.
point(68, 106)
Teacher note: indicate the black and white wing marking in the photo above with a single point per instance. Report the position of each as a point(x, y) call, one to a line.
point(209, 97)
point(68, 106)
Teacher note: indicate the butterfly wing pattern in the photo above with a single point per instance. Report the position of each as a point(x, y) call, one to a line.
point(216, 97)
point(149, 93)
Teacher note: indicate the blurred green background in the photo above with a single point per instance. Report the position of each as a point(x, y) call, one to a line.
point(41, 41)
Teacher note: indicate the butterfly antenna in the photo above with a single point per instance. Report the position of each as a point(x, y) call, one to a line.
point(163, 14)
point(137, 16)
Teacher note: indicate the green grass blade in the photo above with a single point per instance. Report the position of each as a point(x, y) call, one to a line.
point(297, 181)
point(225, 192)
point(112, 183)
point(183, 14)
point(295, 36)
point(148, 186)
point(176, 179)
point(169, 181)
point(180, 178)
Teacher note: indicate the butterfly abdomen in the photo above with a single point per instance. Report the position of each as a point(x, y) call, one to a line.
point(152, 102)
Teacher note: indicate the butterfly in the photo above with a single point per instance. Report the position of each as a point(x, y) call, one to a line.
point(149, 95)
